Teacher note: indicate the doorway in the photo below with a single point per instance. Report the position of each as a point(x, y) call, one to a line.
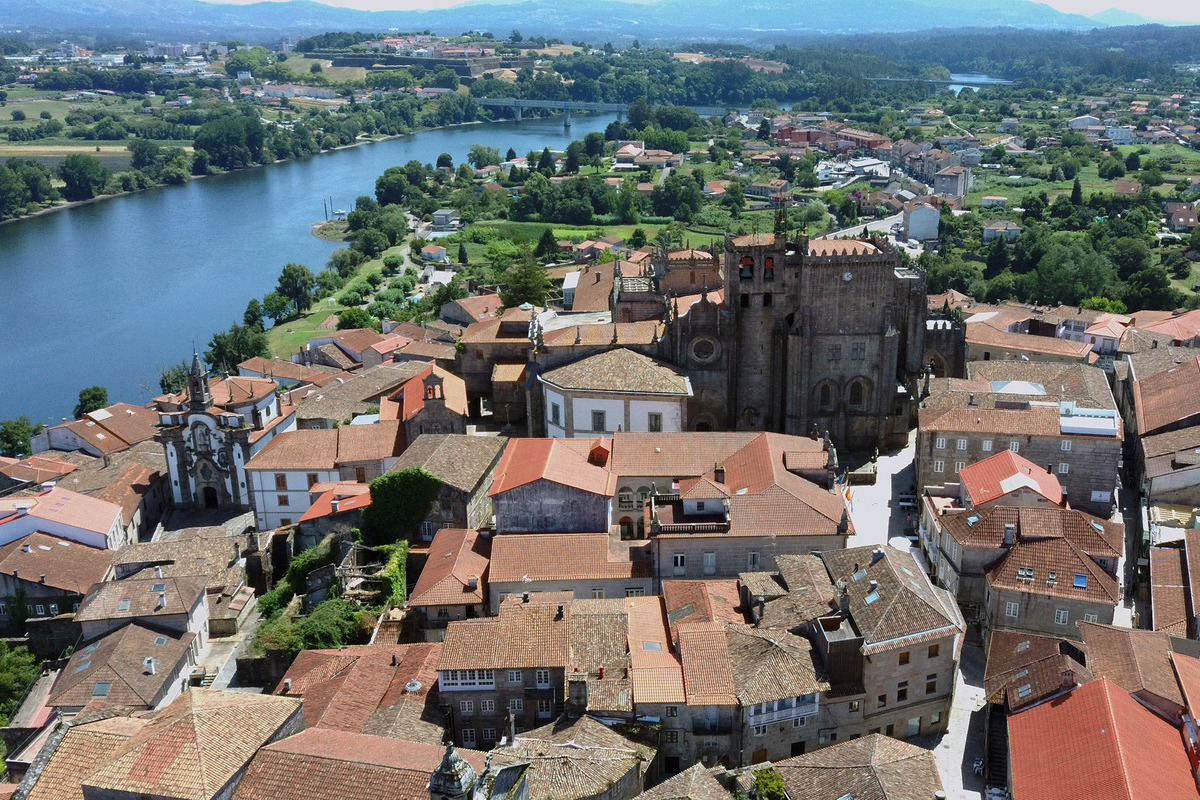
point(210, 497)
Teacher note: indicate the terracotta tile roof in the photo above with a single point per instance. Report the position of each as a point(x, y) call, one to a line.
point(1005, 472)
point(840, 247)
point(335, 354)
point(595, 288)
point(443, 351)
point(984, 527)
point(1136, 660)
point(575, 758)
point(608, 334)
point(209, 557)
point(1097, 743)
point(238, 391)
point(1165, 453)
point(1061, 557)
point(655, 670)
point(365, 689)
point(356, 340)
point(299, 449)
point(68, 566)
point(620, 370)
point(702, 601)
point(1023, 669)
point(556, 460)
point(875, 767)
point(277, 367)
point(1179, 326)
point(906, 604)
point(508, 373)
point(511, 326)
point(195, 746)
point(350, 766)
point(754, 240)
point(129, 488)
point(708, 672)
point(769, 665)
point(560, 556)
point(411, 396)
point(808, 591)
point(456, 559)
point(1167, 397)
point(350, 496)
point(118, 660)
point(357, 394)
point(1035, 421)
point(358, 443)
point(62, 506)
point(84, 749)
point(116, 427)
point(36, 469)
point(522, 636)
point(479, 307)
point(460, 461)
point(106, 600)
point(680, 455)
point(697, 782)
point(1170, 596)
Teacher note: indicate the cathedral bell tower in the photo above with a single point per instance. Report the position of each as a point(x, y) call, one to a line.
point(199, 396)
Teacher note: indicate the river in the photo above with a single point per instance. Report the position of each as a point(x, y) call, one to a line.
point(111, 292)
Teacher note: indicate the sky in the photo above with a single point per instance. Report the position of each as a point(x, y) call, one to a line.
point(1172, 10)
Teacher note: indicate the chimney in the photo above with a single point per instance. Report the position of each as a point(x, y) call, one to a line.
point(162, 600)
point(1154, 344)
point(287, 685)
point(158, 572)
point(601, 673)
point(873, 585)
point(1068, 678)
point(22, 508)
point(525, 597)
point(719, 474)
point(395, 660)
point(473, 582)
point(27, 548)
point(149, 664)
point(42, 579)
point(47, 486)
point(1010, 533)
point(333, 505)
point(597, 277)
point(876, 555)
point(559, 614)
point(971, 401)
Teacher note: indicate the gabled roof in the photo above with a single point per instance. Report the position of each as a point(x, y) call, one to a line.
point(1097, 743)
point(702, 601)
point(620, 370)
point(1023, 669)
point(1170, 595)
point(84, 749)
point(697, 782)
point(1136, 660)
point(35, 469)
point(112, 670)
point(708, 676)
point(561, 461)
point(770, 665)
point(456, 557)
point(369, 689)
point(524, 635)
point(192, 748)
point(346, 765)
point(64, 507)
point(68, 566)
point(1167, 397)
point(984, 527)
point(458, 460)
point(116, 427)
point(1006, 472)
point(135, 598)
point(1058, 556)
point(563, 557)
point(875, 767)
point(903, 604)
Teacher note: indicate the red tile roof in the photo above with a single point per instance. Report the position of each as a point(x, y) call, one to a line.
point(36, 469)
point(1169, 593)
point(1063, 558)
point(1167, 397)
point(65, 507)
point(562, 461)
point(68, 566)
point(1005, 472)
point(560, 556)
point(350, 496)
point(456, 556)
point(1097, 743)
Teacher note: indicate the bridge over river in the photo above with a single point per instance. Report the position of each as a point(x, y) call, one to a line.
point(568, 106)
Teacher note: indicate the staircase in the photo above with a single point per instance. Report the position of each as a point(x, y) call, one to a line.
point(996, 769)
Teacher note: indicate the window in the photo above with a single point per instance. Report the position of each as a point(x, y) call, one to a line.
point(855, 705)
point(768, 301)
point(935, 718)
point(760, 730)
point(1025, 573)
point(516, 704)
point(882, 701)
point(555, 413)
point(939, 443)
point(598, 421)
point(40, 609)
point(1011, 610)
point(654, 422)
point(280, 482)
point(542, 678)
point(672, 737)
point(931, 684)
point(1014, 446)
point(1091, 618)
point(1063, 468)
point(961, 444)
point(515, 676)
point(360, 474)
point(901, 691)
point(799, 722)
point(282, 500)
point(858, 351)
point(487, 707)
point(826, 396)
point(468, 736)
point(987, 445)
point(939, 466)
point(1066, 445)
point(597, 594)
point(634, 591)
point(466, 706)
point(3, 609)
point(1060, 616)
point(102, 689)
point(744, 300)
point(959, 466)
point(679, 561)
point(285, 521)
point(489, 734)
point(545, 708)
point(752, 562)
point(468, 678)
point(835, 352)
point(904, 658)
point(710, 563)
point(312, 479)
point(1080, 581)
point(857, 395)
point(933, 651)
point(746, 270)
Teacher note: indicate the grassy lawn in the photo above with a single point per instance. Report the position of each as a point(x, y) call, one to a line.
point(301, 66)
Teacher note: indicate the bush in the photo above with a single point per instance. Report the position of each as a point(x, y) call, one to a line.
point(18, 115)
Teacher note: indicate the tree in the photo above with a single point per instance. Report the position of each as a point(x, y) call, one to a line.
point(626, 205)
point(593, 143)
point(545, 163)
point(526, 281)
point(83, 175)
point(400, 501)
point(15, 435)
point(1151, 288)
point(511, 155)
point(480, 156)
point(143, 153)
point(315, 68)
point(239, 343)
point(764, 130)
point(1076, 193)
point(356, 318)
point(296, 283)
point(638, 238)
point(445, 161)
point(19, 668)
point(91, 399)
point(571, 164)
point(997, 257)
point(1133, 161)
point(275, 306)
point(768, 785)
point(253, 315)
point(173, 379)
point(547, 246)
point(462, 253)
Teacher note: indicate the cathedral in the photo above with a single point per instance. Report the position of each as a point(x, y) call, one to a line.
point(812, 336)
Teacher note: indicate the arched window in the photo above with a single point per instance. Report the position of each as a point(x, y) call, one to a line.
point(768, 269)
point(825, 399)
point(643, 493)
point(626, 527)
point(747, 268)
point(625, 498)
point(858, 395)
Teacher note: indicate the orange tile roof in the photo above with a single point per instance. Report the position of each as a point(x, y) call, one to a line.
point(523, 636)
point(68, 566)
point(1137, 660)
point(1005, 472)
point(655, 670)
point(349, 497)
point(65, 507)
point(411, 396)
point(1097, 743)
point(85, 748)
point(455, 557)
point(299, 449)
point(1170, 596)
point(118, 659)
point(129, 489)
point(702, 601)
point(1063, 558)
point(1167, 397)
point(840, 247)
point(557, 460)
point(36, 469)
point(559, 556)
point(627, 333)
point(708, 677)
point(237, 390)
point(1035, 421)
point(595, 288)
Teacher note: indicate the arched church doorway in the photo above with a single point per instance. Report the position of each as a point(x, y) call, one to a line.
point(210, 497)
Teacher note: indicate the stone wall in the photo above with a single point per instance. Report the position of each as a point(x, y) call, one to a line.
point(547, 507)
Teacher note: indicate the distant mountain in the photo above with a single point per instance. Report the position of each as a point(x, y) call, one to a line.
point(665, 20)
point(1117, 17)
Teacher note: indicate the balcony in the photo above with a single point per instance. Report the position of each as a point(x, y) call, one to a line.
point(806, 709)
